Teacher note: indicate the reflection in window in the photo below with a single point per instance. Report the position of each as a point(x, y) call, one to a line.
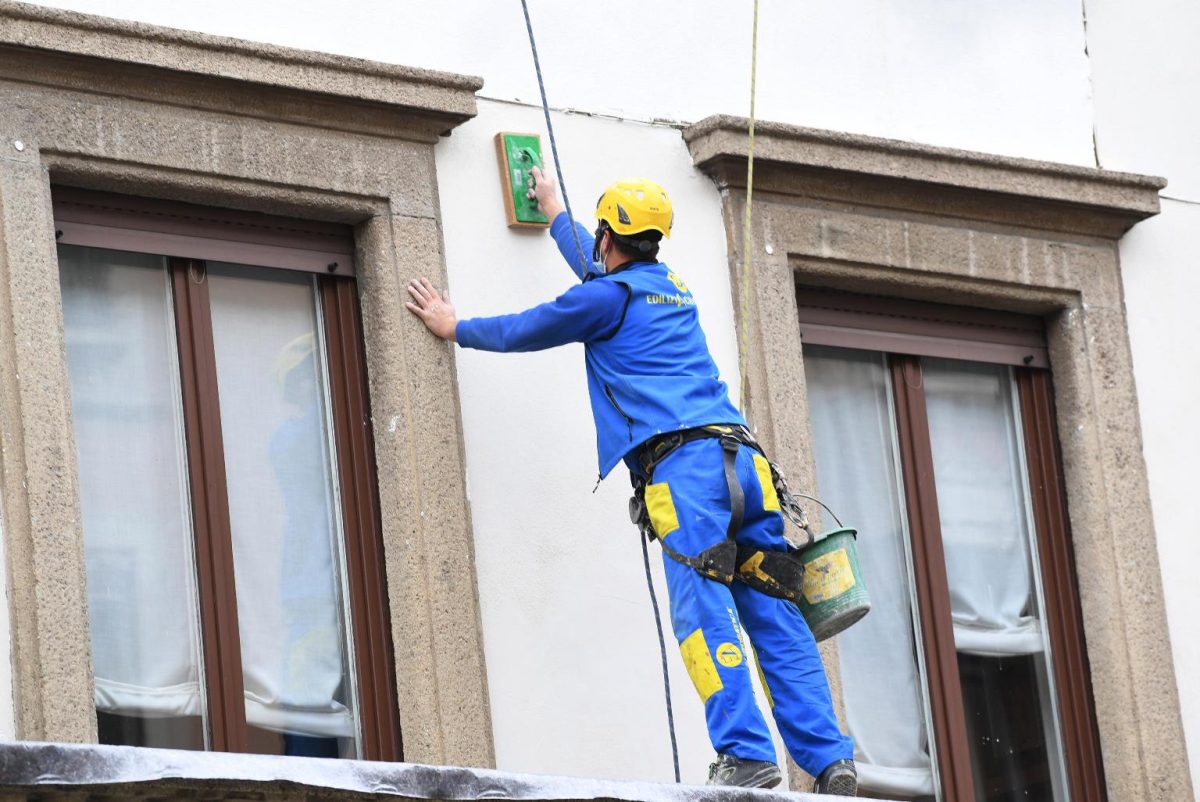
point(283, 511)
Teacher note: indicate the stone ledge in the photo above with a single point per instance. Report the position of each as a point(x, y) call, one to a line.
point(35, 770)
point(101, 40)
point(854, 168)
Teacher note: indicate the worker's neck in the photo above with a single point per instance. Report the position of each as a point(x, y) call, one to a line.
point(614, 261)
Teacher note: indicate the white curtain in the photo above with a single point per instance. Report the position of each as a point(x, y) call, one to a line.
point(982, 505)
point(134, 492)
point(132, 482)
point(854, 449)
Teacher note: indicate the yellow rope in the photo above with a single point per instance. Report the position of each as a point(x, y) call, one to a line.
point(747, 235)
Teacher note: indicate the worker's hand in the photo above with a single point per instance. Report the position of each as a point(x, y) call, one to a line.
point(433, 307)
point(546, 192)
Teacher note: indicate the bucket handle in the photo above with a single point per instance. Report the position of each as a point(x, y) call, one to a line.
point(823, 504)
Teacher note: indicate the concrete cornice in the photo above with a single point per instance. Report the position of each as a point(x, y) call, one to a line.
point(853, 168)
point(78, 51)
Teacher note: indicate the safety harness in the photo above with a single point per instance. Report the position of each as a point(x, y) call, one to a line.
point(776, 573)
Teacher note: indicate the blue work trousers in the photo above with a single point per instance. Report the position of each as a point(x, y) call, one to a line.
point(690, 510)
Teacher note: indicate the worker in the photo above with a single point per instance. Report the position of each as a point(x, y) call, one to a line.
point(659, 405)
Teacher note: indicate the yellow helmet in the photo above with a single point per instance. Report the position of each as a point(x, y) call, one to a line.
point(292, 356)
point(635, 205)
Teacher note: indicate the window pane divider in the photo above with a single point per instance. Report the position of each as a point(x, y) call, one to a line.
point(362, 527)
point(210, 507)
point(932, 585)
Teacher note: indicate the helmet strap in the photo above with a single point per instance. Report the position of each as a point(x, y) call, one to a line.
point(600, 229)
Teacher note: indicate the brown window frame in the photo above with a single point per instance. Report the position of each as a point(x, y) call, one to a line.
point(863, 322)
point(115, 222)
point(186, 230)
point(901, 326)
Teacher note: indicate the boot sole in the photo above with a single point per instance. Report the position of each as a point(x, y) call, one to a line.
point(842, 785)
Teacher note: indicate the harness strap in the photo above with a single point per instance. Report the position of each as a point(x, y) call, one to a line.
point(775, 573)
point(716, 562)
point(737, 498)
point(723, 560)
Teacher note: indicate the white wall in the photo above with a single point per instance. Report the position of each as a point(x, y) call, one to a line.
point(1162, 286)
point(1003, 76)
point(1146, 77)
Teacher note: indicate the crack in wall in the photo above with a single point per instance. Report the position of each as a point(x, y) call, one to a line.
point(1091, 83)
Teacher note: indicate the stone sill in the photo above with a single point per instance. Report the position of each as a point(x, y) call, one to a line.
point(67, 772)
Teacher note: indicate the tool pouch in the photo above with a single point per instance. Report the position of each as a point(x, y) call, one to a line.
point(775, 573)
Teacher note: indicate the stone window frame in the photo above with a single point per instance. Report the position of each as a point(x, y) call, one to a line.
point(851, 212)
point(124, 107)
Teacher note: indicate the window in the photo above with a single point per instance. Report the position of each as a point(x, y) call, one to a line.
point(933, 432)
point(230, 517)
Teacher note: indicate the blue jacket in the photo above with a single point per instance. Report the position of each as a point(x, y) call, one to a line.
point(648, 366)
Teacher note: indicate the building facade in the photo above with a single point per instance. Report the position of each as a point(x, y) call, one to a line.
point(959, 322)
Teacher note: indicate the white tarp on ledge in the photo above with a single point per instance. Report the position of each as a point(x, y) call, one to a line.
point(30, 769)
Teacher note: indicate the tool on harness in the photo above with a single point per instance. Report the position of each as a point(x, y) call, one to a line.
point(822, 577)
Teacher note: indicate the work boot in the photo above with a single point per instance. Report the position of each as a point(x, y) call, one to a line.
point(839, 778)
point(730, 770)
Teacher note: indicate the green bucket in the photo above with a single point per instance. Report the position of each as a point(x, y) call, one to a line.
point(834, 595)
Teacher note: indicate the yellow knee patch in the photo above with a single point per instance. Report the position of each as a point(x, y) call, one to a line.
point(700, 666)
point(770, 497)
point(661, 507)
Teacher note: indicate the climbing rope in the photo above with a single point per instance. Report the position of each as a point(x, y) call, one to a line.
point(662, 648)
point(747, 234)
point(584, 261)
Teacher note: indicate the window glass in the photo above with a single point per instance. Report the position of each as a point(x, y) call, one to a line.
point(988, 542)
point(137, 529)
point(854, 446)
point(284, 512)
